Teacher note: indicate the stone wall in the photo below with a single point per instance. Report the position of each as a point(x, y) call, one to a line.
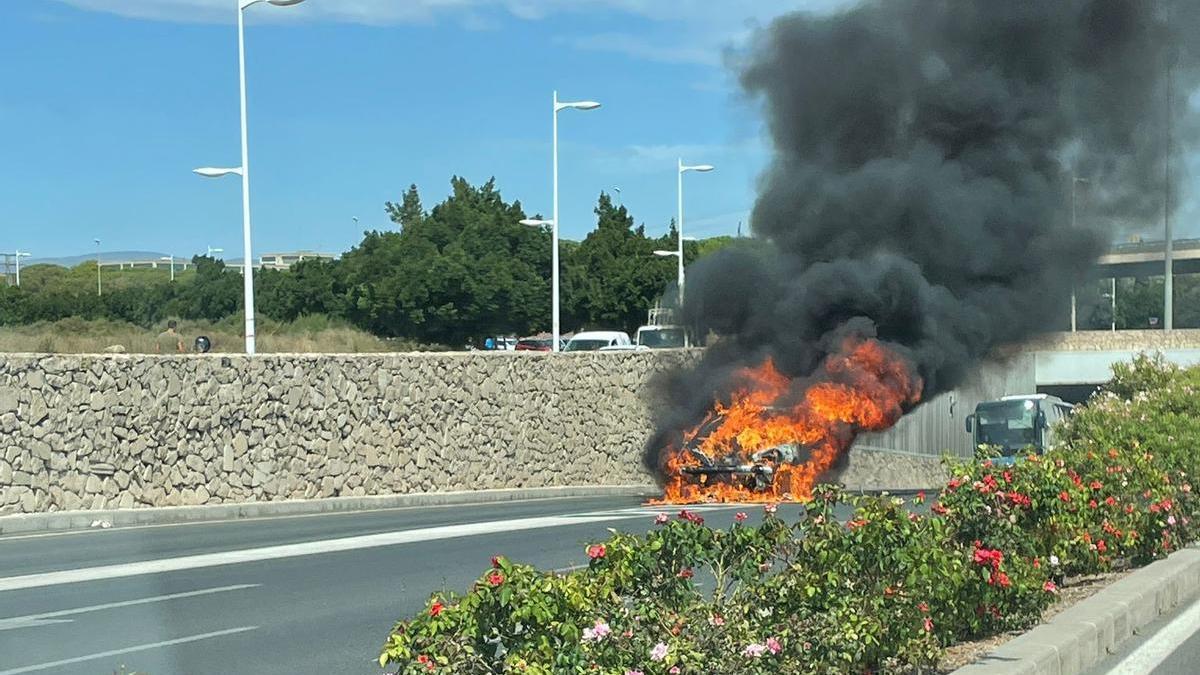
point(103, 432)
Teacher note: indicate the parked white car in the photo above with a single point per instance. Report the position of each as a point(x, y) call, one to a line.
point(596, 340)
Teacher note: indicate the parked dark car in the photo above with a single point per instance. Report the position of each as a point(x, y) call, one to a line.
point(535, 344)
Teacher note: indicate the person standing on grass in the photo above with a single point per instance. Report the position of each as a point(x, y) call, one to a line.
point(168, 341)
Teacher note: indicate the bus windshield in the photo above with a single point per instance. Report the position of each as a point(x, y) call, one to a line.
point(1010, 425)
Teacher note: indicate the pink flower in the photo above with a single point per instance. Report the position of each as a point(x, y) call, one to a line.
point(771, 508)
point(659, 652)
point(1170, 520)
point(928, 624)
point(596, 551)
point(597, 632)
point(740, 517)
point(1049, 587)
point(674, 670)
point(661, 519)
point(754, 650)
point(634, 672)
point(773, 645)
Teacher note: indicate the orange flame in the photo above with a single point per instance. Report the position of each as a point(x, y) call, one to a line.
point(864, 387)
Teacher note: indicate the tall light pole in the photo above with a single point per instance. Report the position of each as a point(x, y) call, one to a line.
point(98, 289)
point(212, 250)
point(171, 258)
point(244, 169)
point(683, 168)
point(618, 191)
point(553, 222)
point(1075, 181)
point(17, 255)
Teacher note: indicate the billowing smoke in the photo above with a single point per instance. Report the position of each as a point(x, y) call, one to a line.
point(926, 152)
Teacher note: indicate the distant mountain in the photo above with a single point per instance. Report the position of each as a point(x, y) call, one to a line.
point(105, 256)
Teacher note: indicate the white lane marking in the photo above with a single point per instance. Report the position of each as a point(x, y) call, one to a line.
point(1162, 644)
point(126, 650)
point(291, 516)
point(52, 617)
point(302, 549)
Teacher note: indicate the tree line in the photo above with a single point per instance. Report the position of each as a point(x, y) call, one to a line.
point(453, 274)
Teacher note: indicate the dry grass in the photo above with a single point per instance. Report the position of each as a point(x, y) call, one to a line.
point(307, 335)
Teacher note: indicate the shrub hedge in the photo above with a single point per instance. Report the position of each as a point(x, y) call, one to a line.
point(886, 590)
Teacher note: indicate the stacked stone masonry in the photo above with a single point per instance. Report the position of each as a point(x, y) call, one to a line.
point(129, 431)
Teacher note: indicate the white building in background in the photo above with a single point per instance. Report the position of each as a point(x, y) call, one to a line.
point(280, 261)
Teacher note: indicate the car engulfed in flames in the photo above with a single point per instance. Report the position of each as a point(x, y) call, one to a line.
point(777, 436)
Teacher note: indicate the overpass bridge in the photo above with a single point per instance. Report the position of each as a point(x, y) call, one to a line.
point(1148, 259)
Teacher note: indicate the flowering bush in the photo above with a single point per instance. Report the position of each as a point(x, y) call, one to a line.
point(882, 588)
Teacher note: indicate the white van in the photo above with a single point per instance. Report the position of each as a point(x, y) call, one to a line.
point(595, 340)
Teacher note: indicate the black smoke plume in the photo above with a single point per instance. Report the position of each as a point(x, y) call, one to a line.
point(925, 158)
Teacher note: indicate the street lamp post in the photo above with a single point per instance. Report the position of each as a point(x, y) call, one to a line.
point(553, 222)
point(244, 169)
point(1113, 297)
point(98, 289)
point(212, 250)
point(171, 258)
point(1075, 181)
point(17, 255)
point(679, 227)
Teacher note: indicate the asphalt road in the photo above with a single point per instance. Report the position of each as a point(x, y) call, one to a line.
point(308, 594)
point(1170, 645)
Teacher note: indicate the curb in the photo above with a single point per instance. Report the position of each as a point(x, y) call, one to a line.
point(1083, 635)
point(80, 520)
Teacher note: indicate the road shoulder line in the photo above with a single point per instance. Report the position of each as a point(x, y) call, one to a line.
point(28, 523)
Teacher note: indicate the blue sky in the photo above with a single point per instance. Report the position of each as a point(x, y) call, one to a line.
point(107, 105)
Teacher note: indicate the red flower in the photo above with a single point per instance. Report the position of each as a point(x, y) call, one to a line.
point(1096, 485)
point(436, 608)
point(928, 624)
point(1007, 476)
point(1110, 500)
point(686, 573)
point(1101, 546)
point(1002, 579)
point(1037, 564)
point(596, 551)
point(495, 578)
point(1092, 503)
point(953, 484)
point(740, 516)
point(939, 509)
point(923, 607)
point(1065, 496)
point(856, 523)
point(1049, 587)
point(988, 557)
point(921, 497)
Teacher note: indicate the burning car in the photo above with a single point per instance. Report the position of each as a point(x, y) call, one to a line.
point(757, 474)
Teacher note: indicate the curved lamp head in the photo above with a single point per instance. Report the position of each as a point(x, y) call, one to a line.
point(215, 172)
point(534, 222)
point(703, 168)
point(666, 253)
point(278, 3)
point(578, 105)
